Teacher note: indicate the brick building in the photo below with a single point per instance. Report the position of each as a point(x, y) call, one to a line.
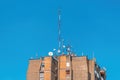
point(64, 67)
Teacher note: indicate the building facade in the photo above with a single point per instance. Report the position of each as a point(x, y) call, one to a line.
point(64, 67)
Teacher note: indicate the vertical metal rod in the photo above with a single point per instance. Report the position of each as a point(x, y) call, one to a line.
point(59, 32)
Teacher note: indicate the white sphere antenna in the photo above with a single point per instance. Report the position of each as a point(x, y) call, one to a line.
point(50, 53)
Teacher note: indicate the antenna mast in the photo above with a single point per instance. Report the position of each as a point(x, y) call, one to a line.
point(59, 32)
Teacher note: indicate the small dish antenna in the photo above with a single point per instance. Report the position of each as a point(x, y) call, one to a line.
point(58, 51)
point(64, 46)
point(50, 53)
point(54, 49)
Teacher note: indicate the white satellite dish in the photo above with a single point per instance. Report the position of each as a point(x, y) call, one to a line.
point(54, 49)
point(50, 53)
point(58, 51)
point(63, 46)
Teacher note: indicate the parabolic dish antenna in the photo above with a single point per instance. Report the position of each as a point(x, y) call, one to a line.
point(50, 53)
point(58, 51)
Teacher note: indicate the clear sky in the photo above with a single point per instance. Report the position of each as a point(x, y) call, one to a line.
point(28, 27)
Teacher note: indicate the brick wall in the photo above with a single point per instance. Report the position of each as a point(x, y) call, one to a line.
point(80, 68)
point(33, 70)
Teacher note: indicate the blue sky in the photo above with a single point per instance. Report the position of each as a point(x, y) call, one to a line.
point(28, 27)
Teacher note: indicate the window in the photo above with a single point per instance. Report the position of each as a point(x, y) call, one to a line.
point(41, 75)
point(67, 71)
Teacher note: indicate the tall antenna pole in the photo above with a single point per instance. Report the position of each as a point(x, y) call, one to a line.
point(59, 32)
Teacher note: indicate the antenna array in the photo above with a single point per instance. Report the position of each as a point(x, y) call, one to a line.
point(61, 46)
